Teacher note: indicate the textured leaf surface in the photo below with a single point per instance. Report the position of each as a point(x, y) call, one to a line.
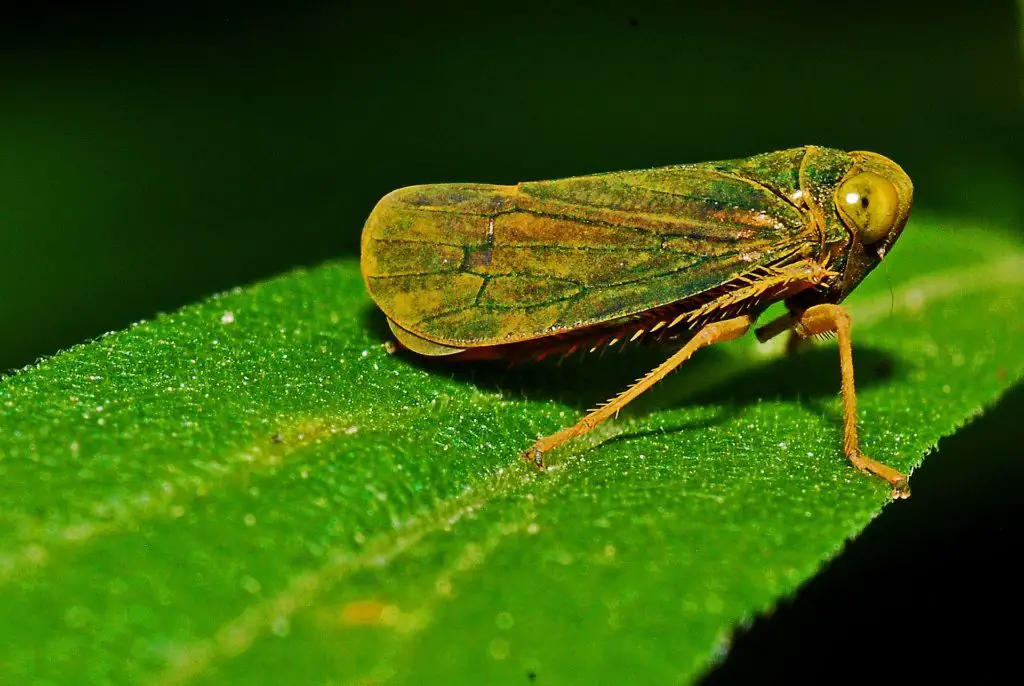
point(251, 490)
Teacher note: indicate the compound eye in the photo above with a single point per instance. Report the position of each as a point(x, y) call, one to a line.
point(869, 204)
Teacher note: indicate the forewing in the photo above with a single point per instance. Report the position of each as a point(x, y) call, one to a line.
point(484, 265)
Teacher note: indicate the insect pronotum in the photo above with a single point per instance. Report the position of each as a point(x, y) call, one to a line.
point(690, 253)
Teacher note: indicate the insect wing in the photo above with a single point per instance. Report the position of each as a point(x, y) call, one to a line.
point(476, 265)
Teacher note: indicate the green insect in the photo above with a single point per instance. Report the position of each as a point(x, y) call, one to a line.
point(690, 253)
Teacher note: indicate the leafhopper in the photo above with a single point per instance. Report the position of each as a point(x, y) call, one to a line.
point(689, 254)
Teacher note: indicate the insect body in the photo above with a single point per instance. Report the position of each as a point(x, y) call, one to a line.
point(690, 253)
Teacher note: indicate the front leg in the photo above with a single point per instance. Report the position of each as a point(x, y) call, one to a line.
point(826, 319)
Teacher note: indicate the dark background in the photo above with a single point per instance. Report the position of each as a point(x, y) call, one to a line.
point(152, 154)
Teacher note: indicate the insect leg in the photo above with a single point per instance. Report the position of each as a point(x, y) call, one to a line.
point(715, 332)
point(823, 319)
point(794, 341)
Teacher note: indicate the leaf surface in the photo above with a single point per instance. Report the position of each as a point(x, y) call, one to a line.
point(252, 490)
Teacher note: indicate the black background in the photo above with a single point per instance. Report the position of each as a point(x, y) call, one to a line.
point(157, 152)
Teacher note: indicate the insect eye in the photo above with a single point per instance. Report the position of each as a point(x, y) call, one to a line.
point(869, 204)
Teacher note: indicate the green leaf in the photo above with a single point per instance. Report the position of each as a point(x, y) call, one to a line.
point(252, 490)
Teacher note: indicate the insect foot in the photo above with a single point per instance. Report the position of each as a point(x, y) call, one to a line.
point(901, 491)
point(536, 456)
point(898, 481)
